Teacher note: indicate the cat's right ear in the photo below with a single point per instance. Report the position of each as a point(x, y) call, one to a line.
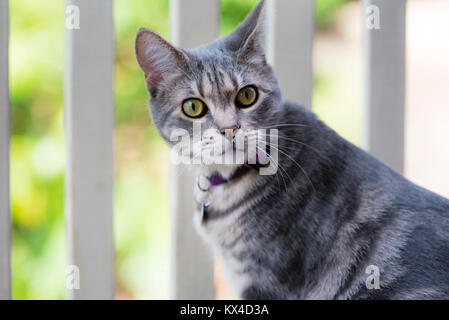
point(156, 57)
point(246, 39)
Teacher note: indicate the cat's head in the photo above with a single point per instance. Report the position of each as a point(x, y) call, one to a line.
point(224, 87)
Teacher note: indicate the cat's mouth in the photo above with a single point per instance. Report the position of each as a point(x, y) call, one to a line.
point(217, 178)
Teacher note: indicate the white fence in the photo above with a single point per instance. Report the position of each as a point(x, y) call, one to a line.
point(5, 237)
point(89, 116)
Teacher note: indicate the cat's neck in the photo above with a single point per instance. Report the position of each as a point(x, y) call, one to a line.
point(309, 157)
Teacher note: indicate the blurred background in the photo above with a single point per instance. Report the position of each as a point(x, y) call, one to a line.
point(141, 219)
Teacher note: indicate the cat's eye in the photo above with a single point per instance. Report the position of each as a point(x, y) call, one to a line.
point(246, 97)
point(194, 108)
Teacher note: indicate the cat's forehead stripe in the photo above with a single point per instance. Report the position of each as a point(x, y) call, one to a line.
point(206, 85)
point(234, 81)
point(199, 86)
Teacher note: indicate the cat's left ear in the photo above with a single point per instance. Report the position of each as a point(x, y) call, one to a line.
point(246, 39)
point(157, 58)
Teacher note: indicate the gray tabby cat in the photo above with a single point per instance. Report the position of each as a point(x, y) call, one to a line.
point(311, 230)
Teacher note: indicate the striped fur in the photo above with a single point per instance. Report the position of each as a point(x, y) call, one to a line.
point(311, 230)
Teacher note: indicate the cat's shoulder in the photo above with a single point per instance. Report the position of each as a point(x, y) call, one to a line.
point(290, 106)
point(292, 109)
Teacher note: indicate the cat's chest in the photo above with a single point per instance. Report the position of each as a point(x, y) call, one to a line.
point(228, 245)
point(226, 237)
point(219, 229)
point(223, 226)
point(220, 216)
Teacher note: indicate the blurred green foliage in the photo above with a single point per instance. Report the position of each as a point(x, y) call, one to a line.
point(141, 219)
point(325, 11)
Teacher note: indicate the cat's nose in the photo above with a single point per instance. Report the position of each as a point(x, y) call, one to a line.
point(229, 131)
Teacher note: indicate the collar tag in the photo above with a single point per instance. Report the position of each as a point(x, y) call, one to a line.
point(203, 213)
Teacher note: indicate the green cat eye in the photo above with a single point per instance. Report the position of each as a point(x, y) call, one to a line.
point(194, 108)
point(246, 97)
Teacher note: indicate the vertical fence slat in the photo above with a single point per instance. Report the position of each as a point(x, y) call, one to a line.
point(290, 43)
point(193, 22)
point(384, 68)
point(5, 221)
point(89, 121)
